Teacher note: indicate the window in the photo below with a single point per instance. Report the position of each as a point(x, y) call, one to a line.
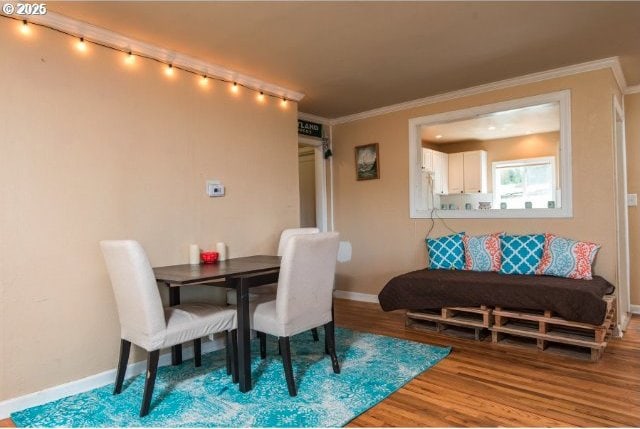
point(506, 129)
point(525, 183)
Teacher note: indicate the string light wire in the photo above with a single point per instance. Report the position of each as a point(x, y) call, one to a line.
point(130, 52)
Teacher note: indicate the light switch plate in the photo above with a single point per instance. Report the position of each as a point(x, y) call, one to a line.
point(632, 200)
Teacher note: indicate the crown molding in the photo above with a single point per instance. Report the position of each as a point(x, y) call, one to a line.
point(314, 118)
point(632, 90)
point(618, 74)
point(100, 35)
point(612, 63)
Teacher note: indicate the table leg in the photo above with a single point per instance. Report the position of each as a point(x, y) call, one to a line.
point(176, 351)
point(244, 347)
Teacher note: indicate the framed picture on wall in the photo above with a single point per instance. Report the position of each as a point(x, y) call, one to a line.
point(367, 162)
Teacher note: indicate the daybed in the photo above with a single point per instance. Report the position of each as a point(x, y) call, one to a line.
point(574, 300)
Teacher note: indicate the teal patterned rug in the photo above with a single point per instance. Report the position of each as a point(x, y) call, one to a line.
point(373, 367)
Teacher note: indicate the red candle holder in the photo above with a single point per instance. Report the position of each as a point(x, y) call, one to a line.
point(208, 257)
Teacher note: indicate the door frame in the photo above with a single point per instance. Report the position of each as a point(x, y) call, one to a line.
point(321, 181)
point(623, 265)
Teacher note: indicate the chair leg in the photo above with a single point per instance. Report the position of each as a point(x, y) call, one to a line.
point(125, 348)
point(234, 356)
point(326, 337)
point(263, 345)
point(285, 347)
point(314, 332)
point(329, 332)
point(227, 338)
point(197, 352)
point(152, 370)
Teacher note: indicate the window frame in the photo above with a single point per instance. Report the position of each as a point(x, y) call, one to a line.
point(418, 209)
point(551, 160)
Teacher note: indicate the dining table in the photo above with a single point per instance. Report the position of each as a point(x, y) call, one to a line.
point(240, 274)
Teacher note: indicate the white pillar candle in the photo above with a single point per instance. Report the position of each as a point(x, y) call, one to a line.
point(221, 248)
point(194, 254)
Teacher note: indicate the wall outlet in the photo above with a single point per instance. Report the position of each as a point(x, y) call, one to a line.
point(215, 188)
point(632, 200)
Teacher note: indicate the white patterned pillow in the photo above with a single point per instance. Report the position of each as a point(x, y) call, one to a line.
point(482, 252)
point(563, 257)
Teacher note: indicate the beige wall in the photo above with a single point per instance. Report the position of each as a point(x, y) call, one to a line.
point(374, 215)
point(91, 150)
point(632, 123)
point(507, 149)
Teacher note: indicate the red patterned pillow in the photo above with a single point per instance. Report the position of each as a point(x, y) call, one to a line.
point(482, 253)
point(563, 257)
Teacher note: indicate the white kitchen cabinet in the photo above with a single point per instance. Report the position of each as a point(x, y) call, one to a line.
point(436, 165)
point(456, 173)
point(441, 173)
point(475, 172)
point(427, 160)
point(467, 172)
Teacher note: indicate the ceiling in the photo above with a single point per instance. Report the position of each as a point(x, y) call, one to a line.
point(349, 57)
point(542, 118)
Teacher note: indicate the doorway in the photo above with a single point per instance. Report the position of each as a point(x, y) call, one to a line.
point(622, 218)
point(307, 177)
point(312, 184)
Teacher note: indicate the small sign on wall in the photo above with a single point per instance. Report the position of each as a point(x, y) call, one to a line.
point(308, 128)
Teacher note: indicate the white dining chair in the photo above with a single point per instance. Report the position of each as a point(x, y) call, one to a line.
point(143, 319)
point(304, 297)
point(268, 292)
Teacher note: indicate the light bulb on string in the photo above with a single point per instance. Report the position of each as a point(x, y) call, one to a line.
point(81, 45)
point(130, 58)
point(24, 28)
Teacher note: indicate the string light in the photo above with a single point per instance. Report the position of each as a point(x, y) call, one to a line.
point(24, 28)
point(81, 45)
point(130, 58)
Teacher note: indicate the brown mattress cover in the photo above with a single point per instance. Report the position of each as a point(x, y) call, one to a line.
point(576, 300)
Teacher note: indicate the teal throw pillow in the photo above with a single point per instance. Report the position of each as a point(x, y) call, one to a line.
point(446, 253)
point(521, 254)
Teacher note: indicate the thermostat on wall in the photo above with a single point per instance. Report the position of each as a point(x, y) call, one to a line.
point(215, 188)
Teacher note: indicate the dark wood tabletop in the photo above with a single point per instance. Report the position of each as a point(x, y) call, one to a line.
point(188, 274)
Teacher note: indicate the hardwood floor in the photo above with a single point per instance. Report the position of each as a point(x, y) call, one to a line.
point(481, 384)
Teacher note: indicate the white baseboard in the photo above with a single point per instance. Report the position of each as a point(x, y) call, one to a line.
point(93, 381)
point(635, 309)
point(355, 296)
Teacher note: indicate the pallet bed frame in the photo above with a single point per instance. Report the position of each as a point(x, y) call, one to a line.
point(476, 318)
point(542, 326)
